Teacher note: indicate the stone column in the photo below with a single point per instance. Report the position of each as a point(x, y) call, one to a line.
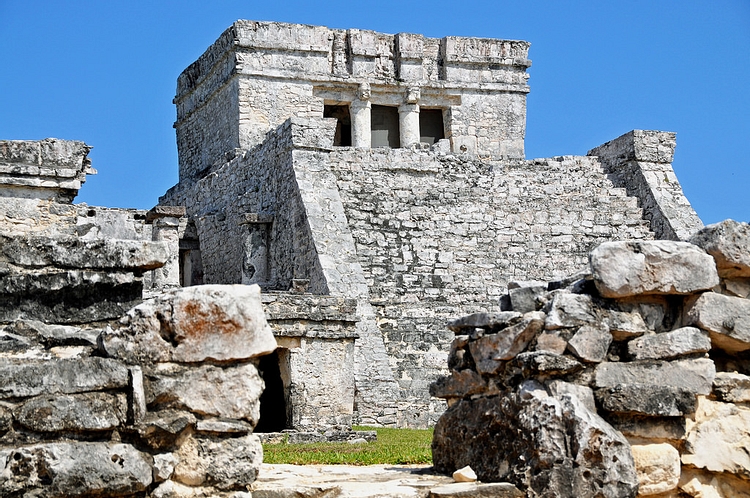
point(361, 118)
point(408, 121)
point(408, 117)
point(255, 265)
point(165, 221)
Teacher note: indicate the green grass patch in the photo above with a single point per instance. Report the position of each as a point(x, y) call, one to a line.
point(393, 446)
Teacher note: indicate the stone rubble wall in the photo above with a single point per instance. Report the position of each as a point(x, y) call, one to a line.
point(439, 235)
point(258, 74)
point(629, 380)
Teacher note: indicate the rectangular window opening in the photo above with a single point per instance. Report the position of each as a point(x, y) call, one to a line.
point(431, 128)
point(343, 136)
point(385, 127)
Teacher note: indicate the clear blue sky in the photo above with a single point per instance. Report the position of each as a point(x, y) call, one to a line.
point(105, 72)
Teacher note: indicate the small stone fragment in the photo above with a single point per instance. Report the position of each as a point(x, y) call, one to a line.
point(590, 343)
point(558, 388)
point(551, 341)
point(623, 269)
point(623, 325)
point(732, 387)
point(657, 466)
point(543, 363)
point(729, 244)
point(739, 287)
point(465, 474)
point(225, 463)
point(489, 321)
point(681, 342)
point(164, 464)
point(727, 318)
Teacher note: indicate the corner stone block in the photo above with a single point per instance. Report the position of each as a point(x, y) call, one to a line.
point(695, 375)
point(75, 469)
point(66, 376)
point(194, 324)
point(729, 243)
point(657, 466)
point(726, 318)
point(623, 269)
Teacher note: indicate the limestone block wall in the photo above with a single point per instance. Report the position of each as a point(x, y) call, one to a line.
point(442, 235)
point(257, 183)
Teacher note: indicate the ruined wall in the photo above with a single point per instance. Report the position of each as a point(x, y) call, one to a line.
point(632, 380)
point(442, 235)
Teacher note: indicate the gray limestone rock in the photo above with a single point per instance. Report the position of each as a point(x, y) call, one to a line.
point(546, 446)
point(739, 287)
point(624, 325)
point(732, 387)
point(647, 427)
point(729, 243)
point(192, 324)
point(490, 351)
point(668, 345)
point(207, 390)
point(623, 269)
point(590, 343)
point(73, 412)
point(75, 468)
point(694, 375)
point(458, 384)
point(57, 335)
point(74, 252)
point(652, 400)
point(545, 364)
point(34, 377)
point(161, 430)
point(557, 388)
point(727, 318)
point(569, 310)
point(489, 321)
point(476, 490)
point(524, 295)
point(225, 463)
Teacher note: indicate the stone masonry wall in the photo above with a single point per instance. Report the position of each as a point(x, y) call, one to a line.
point(442, 235)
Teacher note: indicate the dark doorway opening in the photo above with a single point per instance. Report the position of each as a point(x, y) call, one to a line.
point(273, 409)
point(385, 127)
point(431, 126)
point(343, 137)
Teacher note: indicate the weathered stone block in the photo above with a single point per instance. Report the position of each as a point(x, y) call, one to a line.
point(591, 343)
point(569, 310)
point(458, 384)
point(476, 490)
point(668, 345)
point(727, 318)
point(231, 392)
point(659, 401)
point(192, 324)
point(695, 375)
point(558, 388)
point(645, 427)
point(74, 412)
point(34, 377)
point(729, 243)
point(490, 351)
point(623, 325)
point(524, 295)
point(525, 438)
point(623, 269)
point(545, 364)
point(719, 439)
point(56, 335)
point(657, 466)
point(732, 387)
point(226, 463)
point(75, 468)
point(488, 321)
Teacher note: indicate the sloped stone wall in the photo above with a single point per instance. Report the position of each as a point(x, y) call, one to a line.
point(630, 380)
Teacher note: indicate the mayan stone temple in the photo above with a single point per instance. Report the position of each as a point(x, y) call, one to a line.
point(356, 237)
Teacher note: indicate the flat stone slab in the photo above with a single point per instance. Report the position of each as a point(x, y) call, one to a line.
point(695, 375)
point(371, 481)
point(623, 269)
point(680, 342)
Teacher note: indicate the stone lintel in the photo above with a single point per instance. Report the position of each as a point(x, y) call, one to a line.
point(256, 219)
point(158, 212)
